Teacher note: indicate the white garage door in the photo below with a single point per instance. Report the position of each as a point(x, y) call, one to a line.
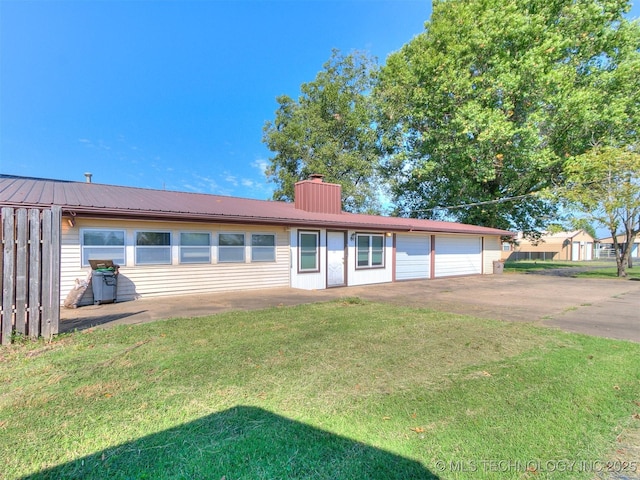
point(413, 257)
point(458, 255)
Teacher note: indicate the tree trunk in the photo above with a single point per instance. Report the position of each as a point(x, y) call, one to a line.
point(620, 254)
point(630, 236)
point(625, 259)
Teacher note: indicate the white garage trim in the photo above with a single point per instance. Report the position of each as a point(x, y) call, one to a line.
point(457, 255)
point(413, 257)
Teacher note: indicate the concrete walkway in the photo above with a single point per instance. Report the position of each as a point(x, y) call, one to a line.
point(608, 308)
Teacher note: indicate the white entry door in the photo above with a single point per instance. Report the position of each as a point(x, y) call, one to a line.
point(336, 271)
point(589, 251)
point(575, 251)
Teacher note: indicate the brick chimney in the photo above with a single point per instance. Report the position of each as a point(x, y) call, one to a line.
point(314, 195)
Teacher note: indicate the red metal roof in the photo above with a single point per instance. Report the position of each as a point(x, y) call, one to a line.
point(99, 200)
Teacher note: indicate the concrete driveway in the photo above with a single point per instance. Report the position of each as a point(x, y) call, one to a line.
point(607, 308)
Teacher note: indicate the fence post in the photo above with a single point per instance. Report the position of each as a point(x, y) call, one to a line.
point(34, 274)
point(56, 240)
point(8, 279)
point(22, 287)
point(45, 328)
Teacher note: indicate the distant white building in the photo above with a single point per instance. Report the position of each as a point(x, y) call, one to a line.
point(605, 249)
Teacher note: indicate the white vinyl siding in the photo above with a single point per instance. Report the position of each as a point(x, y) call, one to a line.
point(492, 252)
point(141, 281)
point(195, 247)
point(413, 257)
point(103, 245)
point(458, 255)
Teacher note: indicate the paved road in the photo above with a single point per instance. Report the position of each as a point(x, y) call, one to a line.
point(608, 308)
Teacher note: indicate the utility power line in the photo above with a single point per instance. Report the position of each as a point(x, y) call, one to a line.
point(476, 204)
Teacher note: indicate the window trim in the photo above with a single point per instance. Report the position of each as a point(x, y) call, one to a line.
point(98, 229)
point(274, 247)
point(243, 246)
point(136, 246)
point(316, 233)
point(369, 265)
point(181, 246)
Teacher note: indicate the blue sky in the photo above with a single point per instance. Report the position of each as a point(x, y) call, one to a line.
point(170, 94)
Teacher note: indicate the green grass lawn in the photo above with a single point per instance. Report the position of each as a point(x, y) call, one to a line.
point(598, 269)
point(610, 272)
point(345, 389)
point(524, 266)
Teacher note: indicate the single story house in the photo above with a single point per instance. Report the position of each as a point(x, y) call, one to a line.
point(573, 246)
point(606, 246)
point(171, 243)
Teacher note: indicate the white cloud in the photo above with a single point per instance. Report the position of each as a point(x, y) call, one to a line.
point(261, 165)
point(232, 179)
point(91, 144)
point(190, 188)
point(203, 184)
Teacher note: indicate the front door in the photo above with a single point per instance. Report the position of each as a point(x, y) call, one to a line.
point(336, 265)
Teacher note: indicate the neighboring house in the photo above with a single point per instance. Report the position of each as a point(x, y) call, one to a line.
point(170, 243)
point(573, 246)
point(605, 249)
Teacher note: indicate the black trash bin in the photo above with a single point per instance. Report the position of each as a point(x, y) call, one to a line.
point(104, 281)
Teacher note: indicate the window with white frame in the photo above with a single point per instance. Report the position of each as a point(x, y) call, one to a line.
point(230, 247)
point(195, 247)
point(369, 250)
point(263, 247)
point(103, 244)
point(308, 248)
point(506, 247)
point(153, 248)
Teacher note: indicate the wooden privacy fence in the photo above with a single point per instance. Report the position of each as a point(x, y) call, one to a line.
point(30, 272)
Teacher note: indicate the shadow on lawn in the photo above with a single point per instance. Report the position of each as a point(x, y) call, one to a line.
point(242, 442)
point(84, 323)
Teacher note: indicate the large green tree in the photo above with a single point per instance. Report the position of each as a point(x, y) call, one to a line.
point(604, 184)
point(328, 130)
point(483, 108)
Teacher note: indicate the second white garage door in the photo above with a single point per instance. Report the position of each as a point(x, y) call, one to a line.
point(413, 257)
point(458, 255)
